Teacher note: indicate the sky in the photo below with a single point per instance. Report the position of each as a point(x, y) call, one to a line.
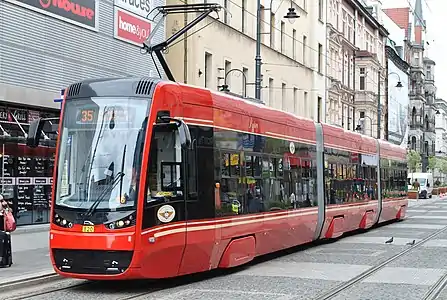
point(434, 13)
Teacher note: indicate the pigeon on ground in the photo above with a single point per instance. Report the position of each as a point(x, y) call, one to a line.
point(389, 241)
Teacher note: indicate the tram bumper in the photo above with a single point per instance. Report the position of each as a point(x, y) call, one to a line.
point(95, 256)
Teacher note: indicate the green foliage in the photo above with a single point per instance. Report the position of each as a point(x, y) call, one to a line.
point(414, 159)
point(433, 162)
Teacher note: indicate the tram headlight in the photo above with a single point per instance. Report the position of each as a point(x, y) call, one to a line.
point(122, 223)
point(59, 221)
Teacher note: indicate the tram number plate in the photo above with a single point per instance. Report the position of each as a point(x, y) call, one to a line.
point(88, 228)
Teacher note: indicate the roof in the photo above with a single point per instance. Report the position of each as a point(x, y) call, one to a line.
point(400, 16)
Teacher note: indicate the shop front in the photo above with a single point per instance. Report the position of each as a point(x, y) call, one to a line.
point(26, 176)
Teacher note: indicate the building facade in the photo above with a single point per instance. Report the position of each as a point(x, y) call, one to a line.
point(356, 66)
point(441, 127)
point(422, 89)
point(222, 52)
point(44, 47)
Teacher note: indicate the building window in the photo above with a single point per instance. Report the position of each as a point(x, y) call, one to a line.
point(295, 100)
point(306, 108)
point(271, 92)
point(227, 69)
point(320, 10)
point(208, 69)
point(226, 19)
point(263, 36)
point(284, 96)
point(319, 109)
point(244, 81)
point(283, 29)
point(320, 58)
point(304, 49)
point(362, 79)
point(244, 15)
point(272, 30)
point(294, 44)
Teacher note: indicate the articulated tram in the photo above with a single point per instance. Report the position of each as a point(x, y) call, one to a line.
point(157, 179)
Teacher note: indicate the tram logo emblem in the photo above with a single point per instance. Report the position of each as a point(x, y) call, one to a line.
point(166, 213)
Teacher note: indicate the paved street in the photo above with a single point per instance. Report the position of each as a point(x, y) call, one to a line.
point(30, 254)
point(301, 274)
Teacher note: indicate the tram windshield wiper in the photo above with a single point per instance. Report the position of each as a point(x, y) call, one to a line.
point(117, 179)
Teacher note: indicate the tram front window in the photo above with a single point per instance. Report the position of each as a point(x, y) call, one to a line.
point(100, 154)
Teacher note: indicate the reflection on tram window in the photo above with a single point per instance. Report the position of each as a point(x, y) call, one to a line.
point(393, 179)
point(253, 182)
point(349, 177)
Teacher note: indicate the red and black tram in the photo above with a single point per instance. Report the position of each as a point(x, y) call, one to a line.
point(157, 179)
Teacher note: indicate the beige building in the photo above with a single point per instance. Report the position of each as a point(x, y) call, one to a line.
point(292, 54)
point(356, 41)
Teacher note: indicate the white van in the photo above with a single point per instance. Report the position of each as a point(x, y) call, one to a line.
point(426, 182)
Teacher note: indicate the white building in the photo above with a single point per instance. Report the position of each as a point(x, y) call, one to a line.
point(356, 42)
point(398, 101)
point(293, 60)
point(441, 127)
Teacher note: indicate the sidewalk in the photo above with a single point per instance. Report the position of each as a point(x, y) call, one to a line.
point(30, 254)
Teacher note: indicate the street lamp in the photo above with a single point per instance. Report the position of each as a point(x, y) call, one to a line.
point(291, 16)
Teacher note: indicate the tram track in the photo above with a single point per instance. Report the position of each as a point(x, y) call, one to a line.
point(434, 291)
point(50, 291)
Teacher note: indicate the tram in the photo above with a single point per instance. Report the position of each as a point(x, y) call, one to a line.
point(157, 179)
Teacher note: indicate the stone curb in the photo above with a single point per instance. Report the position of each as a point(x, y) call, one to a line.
point(32, 229)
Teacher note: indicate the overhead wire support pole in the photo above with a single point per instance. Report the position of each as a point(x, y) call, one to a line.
point(204, 8)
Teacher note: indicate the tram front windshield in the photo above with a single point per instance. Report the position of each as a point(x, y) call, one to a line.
point(100, 153)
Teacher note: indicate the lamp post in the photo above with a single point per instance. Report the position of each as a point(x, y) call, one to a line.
point(291, 16)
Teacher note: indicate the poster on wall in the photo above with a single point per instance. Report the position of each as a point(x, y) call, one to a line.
point(398, 105)
point(83, 13)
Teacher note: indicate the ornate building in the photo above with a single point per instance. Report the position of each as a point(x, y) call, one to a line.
point(422, 89)
point(356, 61)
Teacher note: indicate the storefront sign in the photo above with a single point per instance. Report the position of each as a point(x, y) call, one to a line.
point(83, 13)
point(138, 7)
point(131, 28)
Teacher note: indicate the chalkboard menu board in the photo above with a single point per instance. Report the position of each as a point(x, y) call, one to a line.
point(9, 166)
point(24, 194)
point(24, 166)
point(40, 198)
point(39, 166)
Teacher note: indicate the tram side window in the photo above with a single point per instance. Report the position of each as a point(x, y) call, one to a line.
point(165, 167)
point(229, 194)
point(340, 173)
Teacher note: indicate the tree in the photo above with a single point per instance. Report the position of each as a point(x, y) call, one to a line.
point(414, 159)
point(433, 163)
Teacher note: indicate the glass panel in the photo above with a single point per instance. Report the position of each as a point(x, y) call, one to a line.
point(100, 153)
